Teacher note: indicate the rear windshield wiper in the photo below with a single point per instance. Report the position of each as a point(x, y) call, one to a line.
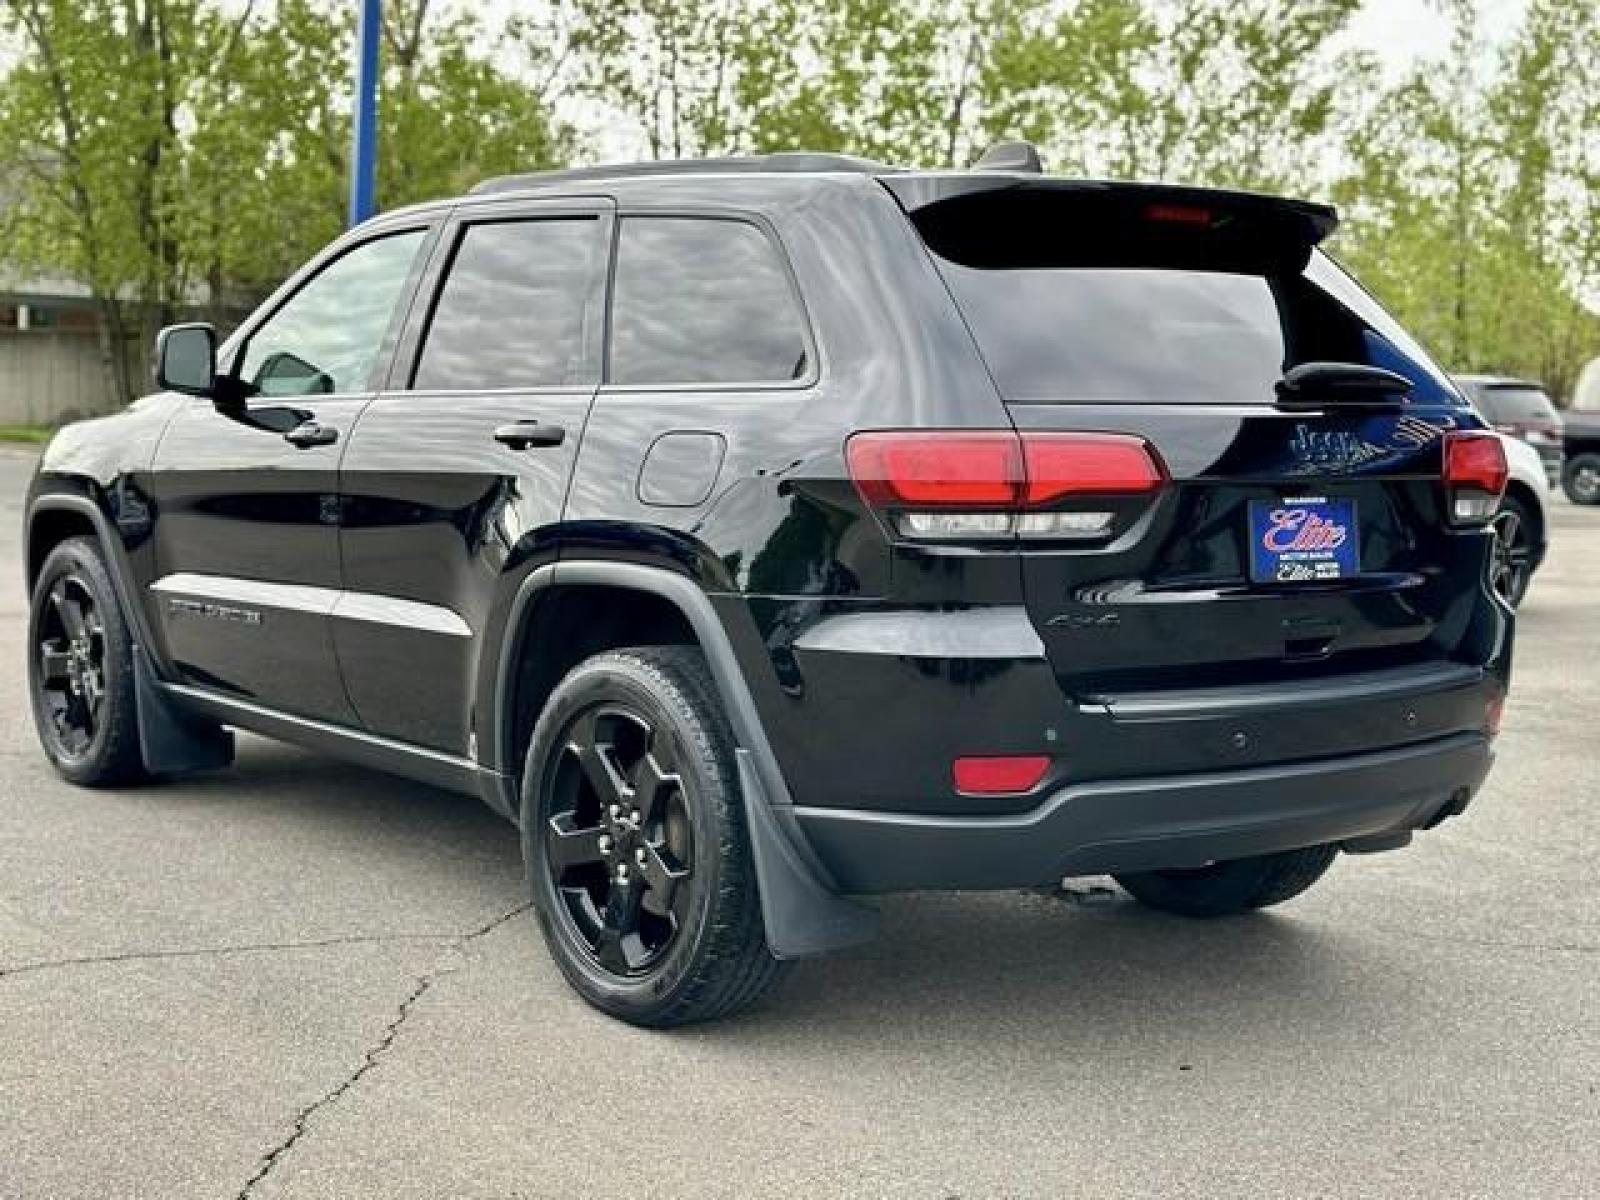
point(1332, 384)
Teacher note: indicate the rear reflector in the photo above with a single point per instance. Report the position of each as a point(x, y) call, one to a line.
point(1005, 776)
point(1495, 714)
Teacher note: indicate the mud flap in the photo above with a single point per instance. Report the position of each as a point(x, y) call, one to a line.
point(803, 917)
point(172, 742)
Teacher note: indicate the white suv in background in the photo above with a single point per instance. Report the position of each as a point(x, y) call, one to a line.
point(1521, 524)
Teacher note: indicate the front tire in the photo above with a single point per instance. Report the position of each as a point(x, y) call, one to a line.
point(80, 669)
point(1581, 479)
point(1236, 886)
point(635, 845)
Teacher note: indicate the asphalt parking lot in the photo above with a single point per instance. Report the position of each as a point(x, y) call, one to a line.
point(297, 978)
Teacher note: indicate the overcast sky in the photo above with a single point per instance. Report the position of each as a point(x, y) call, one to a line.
point(1402, 31)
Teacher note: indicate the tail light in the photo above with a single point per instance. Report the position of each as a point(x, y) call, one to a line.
point(991, 484)
point(1475, 475)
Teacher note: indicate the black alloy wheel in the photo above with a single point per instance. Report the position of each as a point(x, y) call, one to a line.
point(618, 840)
point(70, 660)
point(635, 841)
point(80, 669)
point(1512, 567)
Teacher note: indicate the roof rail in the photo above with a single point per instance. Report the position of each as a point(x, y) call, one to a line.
point(786, 162)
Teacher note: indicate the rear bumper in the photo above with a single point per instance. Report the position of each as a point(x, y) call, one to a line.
point(1153, 823)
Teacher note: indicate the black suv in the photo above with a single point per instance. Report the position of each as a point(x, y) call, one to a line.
point(763, 534)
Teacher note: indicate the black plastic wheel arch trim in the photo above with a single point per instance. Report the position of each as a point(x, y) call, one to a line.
point(803, 912)
point(110, 543)
point(171, 740)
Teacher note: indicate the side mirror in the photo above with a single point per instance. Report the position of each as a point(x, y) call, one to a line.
point(186, 359)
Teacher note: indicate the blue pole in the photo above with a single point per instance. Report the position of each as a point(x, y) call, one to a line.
point(364, 153)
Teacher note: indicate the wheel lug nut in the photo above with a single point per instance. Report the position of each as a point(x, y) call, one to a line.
point(605, 844)
point(622, 873)
point(640, 857)
point(615, 810)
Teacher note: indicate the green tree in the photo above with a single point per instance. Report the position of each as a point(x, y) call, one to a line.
point(891, 79)
point(169, 153)
point(1238, 93)
point(89, 118)
point(1471, 196)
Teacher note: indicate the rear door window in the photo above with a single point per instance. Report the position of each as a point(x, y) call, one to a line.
point(703, 300)
point(511, 311)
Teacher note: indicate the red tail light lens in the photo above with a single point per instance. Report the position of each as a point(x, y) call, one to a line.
point(1475, 475)
point(1004, 776)
point(952, 470)
point(929, 479)
point(1475, 459)
point(1087, 464)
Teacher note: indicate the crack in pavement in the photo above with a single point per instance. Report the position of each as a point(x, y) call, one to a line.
point(123, 956)
point(374, 1053)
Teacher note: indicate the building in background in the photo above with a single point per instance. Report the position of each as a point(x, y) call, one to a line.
point(53, 352)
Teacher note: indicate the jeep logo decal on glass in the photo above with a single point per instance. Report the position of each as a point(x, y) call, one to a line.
point(1376, 442)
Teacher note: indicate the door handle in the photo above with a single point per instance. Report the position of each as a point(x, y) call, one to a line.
point(525, 435)
point(309, 433)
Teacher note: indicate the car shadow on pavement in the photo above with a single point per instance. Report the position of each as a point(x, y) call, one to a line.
point(1086, 967)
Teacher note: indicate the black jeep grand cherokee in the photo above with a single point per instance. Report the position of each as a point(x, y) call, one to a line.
point(759, 534)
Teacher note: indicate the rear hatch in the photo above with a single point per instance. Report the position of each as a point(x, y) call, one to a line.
point(1303, 529)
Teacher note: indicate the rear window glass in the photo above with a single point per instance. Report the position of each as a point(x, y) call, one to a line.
point(1502, 404)
point(1111, 317)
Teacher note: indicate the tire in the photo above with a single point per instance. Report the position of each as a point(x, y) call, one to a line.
point(80, 669)
point(649, 908)
point(1581, 479)
point(1512, 568)
point(1237, 886)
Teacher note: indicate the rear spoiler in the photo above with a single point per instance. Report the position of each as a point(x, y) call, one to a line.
point(1295, 221)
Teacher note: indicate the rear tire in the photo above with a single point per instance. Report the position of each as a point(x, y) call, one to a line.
point(634, 840)
point(1581, 479)
point(1236, 886)
point(80, 669)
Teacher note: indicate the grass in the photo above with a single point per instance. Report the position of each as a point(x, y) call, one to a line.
point(33, 435)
